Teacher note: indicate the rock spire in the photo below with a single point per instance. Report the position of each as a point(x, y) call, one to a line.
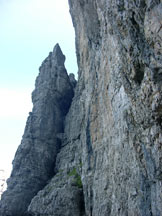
point(104, 156)
point(34, 161)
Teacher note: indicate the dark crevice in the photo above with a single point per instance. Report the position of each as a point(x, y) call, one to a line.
point(82, 204)
point(139, 72)
point(89, 144)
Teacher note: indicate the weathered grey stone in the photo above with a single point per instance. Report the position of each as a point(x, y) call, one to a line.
point(117, 134)
point(111, 156)
point(34, 161)
point(62, 196)
point(120, 105)
point(72, 80)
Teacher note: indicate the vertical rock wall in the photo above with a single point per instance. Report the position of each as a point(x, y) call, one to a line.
point(112, 133)
point(110, 160)
point(119, 55)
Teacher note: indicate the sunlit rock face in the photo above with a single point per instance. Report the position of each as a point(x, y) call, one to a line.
point(110, 159)
point(34, 161)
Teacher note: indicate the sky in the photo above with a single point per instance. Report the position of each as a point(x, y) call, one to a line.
point(29, 29)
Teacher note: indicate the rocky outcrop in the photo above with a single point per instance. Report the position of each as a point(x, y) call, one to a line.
point(113, 129)
point(2, 181)
point(35, 158)
point(110, 158)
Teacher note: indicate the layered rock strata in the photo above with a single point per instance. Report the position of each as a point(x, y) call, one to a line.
point(34, 161)
point(110, 160)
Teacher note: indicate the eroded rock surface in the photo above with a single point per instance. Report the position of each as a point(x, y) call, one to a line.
point(120, 62)
point(110, 160)
point(113, 128)
point(62, 196)
point(34, 161)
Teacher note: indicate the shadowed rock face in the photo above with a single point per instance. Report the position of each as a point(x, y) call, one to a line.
point(34, 161)
point(110, 160)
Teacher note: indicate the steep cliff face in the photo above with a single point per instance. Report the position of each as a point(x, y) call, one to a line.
point(113, 130)
point(110, 160)
point(34, 161)
point(119, 56)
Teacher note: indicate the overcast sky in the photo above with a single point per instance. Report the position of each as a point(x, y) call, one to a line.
point(29, 29)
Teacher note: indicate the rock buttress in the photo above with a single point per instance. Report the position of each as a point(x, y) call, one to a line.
point(119, 51)
point(112, 136)
point(111, 157)
point(34, 161)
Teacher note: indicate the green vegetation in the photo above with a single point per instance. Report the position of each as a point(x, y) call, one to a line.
point(79, 181)
point(73, 172)
point(77, 177)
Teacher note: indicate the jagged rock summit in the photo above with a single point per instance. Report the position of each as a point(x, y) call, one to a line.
point(107, 158)
point(34, 161)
